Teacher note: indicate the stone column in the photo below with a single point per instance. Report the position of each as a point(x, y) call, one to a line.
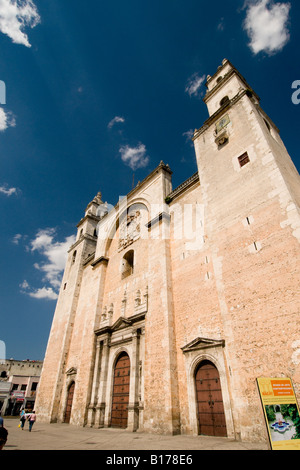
point(101, 404)
point(133, 406)
point(95, 385)
point(141, 381)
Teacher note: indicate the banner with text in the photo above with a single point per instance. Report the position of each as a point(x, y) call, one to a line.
point(281, 412)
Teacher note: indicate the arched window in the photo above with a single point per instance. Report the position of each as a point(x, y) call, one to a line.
point(224, 100)
point(127, 264)
point(74, 256)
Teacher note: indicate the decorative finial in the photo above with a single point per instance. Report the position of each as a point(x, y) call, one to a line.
point(98, 198)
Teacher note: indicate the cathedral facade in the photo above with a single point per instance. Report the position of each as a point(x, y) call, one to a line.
point(175, 301)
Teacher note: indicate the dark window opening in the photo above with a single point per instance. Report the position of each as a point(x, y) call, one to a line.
point(34, 386)
point(268, 125)
point(243, 159)
point(127, 264)
point(224, 100)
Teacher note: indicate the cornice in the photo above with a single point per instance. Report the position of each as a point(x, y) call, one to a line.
point(214, 117)
point(182, 187)
point(88, 216)
point(85, 236)
point(225, 79)
point(120, 324)
point(202, 343)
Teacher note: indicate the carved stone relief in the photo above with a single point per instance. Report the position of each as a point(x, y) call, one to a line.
point(130, 229)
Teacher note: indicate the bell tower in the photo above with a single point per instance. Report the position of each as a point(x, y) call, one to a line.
point(251, 194)
point(65, 312)
point(241, 158)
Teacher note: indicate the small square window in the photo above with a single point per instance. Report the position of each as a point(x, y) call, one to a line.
point(243, 159)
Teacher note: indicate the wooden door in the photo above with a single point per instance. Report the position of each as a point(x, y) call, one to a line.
point(120, 399)
point(210, 408)
point(69, 403)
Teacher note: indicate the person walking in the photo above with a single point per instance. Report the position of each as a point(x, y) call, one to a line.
point(31, 419)
point(22, 419)
point(3, 437)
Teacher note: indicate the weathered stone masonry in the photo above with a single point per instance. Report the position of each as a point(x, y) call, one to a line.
point(174, 285)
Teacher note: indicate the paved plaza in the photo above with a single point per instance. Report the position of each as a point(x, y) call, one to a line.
point(56, 436)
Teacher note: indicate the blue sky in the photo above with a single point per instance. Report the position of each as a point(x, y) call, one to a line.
point(98, 91)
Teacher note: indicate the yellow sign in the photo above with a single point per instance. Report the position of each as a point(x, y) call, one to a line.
point(281, 412)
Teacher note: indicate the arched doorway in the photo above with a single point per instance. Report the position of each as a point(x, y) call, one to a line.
point(69, 403)
point(120, 398)
point(210, 408)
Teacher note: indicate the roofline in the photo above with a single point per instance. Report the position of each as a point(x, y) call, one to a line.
point(187, 184)
point(226, 77)
point(161, 166)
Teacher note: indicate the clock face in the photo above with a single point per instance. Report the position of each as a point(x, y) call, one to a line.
point(222, 123)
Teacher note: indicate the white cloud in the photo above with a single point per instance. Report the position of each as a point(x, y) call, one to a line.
point(24, 285)
point(134, 157)
point(221, 25)
point(266, 24)
point(188, 138)
point(44, 293)
point(8, 191)
point(15, 16)
point(17, 239)
point(115, 120)
point(188, 135)
point(194, 84)
point(6, 119)
point(55, 254)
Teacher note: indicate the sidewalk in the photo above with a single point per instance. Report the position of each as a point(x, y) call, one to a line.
point(56, 436)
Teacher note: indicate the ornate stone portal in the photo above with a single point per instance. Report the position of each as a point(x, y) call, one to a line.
point(126, 335)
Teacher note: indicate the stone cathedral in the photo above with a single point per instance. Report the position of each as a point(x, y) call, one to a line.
point(175, 301)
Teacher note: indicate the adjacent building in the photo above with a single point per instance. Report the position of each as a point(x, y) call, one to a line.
point(18, 385)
